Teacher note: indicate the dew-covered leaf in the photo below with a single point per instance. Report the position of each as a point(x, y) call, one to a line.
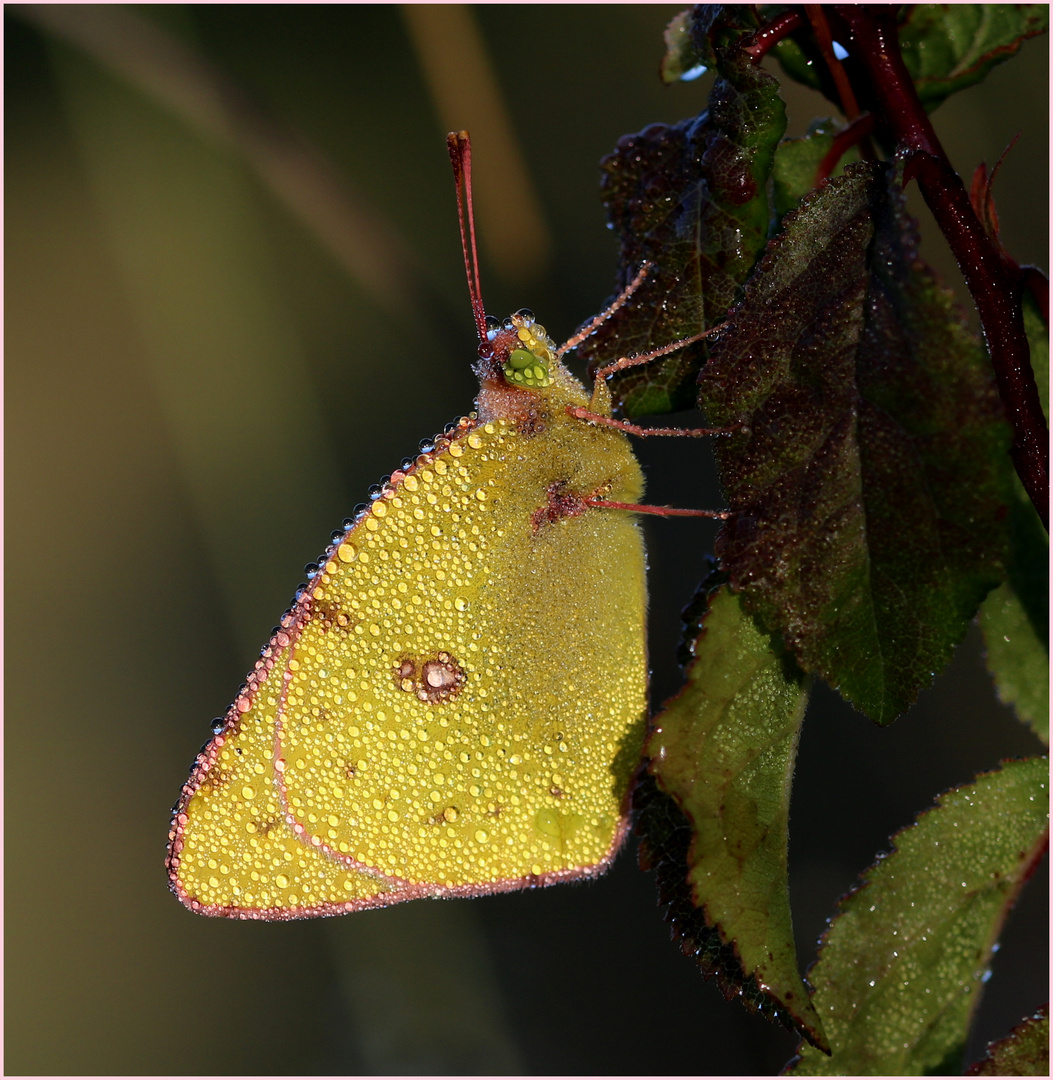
point(688, 38)
point(867, 482)
point(1015, 617)
point(724, 748)
point(801, 60)
point(665, 837)
point(1023, 1052)
point(901, 968)
point(948, 47)
point(1017, 657)
point(692, 199)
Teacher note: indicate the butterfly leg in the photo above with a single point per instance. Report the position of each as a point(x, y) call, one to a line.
point(640, 359)
point(596, 322)
point(579, 412)
point(658, 511)
point(600, 406)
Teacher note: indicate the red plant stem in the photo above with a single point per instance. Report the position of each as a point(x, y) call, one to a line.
point(825, 41)
point(770, 34)
point(996, 295)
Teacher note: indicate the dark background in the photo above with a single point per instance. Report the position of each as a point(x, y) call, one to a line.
point(200, 387)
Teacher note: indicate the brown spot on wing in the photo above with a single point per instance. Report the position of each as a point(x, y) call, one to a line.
point(434, 679)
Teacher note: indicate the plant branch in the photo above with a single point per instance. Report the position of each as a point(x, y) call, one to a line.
point(770, 34)
point(995, 292)
point(824, 39)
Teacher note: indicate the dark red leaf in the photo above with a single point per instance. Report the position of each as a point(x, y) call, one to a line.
point(869, 480)
point(692, 199)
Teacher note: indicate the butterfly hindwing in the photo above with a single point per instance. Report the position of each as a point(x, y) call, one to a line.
point(455, 710)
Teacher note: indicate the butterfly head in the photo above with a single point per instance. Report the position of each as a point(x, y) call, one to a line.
point(519, 351)
point(520, 373)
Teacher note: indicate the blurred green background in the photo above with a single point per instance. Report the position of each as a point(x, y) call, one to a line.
point(235, 301)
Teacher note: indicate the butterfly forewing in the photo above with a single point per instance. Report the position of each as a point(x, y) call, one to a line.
point(456, 703)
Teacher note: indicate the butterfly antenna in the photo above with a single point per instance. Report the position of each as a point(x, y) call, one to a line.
point(460, 147)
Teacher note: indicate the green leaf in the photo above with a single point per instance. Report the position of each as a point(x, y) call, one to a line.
point(902, 965)
point(694, 38)
point(1038, 338)
point(1017, 657)
point(948, 47)
point(692, 199)
point(724, 748)
point(868, 479)
point(681, 54)
point(797, 160)
point(1015, 620)
point(799, 64)
point(1023, 1052)
point(1015, 617)
point(665, 838)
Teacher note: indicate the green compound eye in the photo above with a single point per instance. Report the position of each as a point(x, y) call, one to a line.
point(523, 368)
point(520, 359)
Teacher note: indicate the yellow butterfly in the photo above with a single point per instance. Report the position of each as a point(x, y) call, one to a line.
point(456, 702)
